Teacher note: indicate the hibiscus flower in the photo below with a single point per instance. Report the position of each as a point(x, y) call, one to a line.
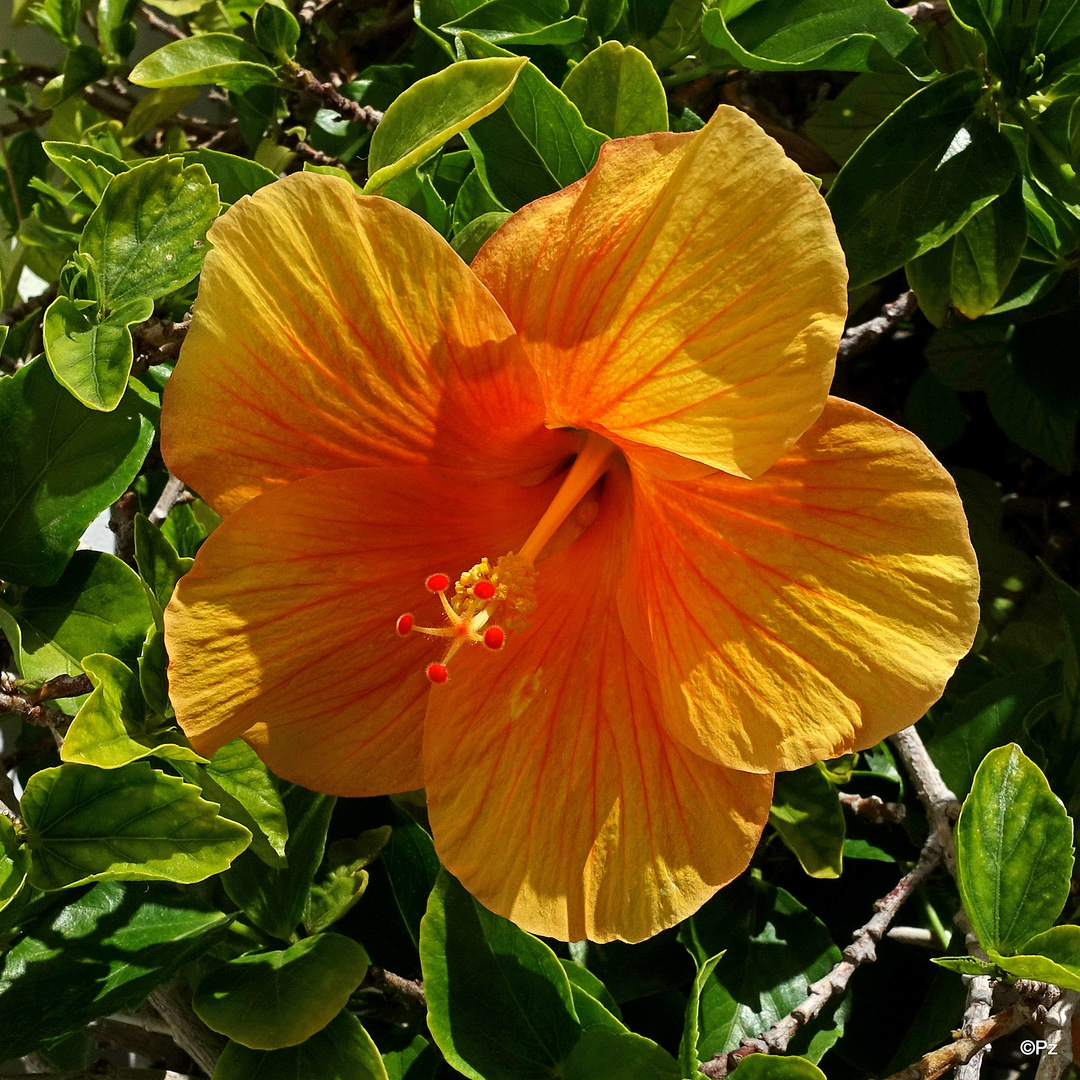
point(573, 538)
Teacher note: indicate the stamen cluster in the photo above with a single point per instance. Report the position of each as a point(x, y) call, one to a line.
point(478, 594)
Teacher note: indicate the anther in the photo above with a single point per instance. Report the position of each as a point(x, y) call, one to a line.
point(404, 624)
point(494, 637)
point(437, 583)
point(436, 673)
point(483, 590)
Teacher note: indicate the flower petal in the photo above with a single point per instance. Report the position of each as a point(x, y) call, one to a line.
point(287, 618)
point(688, 294)
point(333, 331)
point(811, 611)
point(554, 793)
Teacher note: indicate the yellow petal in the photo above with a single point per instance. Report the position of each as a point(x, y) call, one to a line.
point(333, 331)
point(811, 611)
point(287, 619)
point(554, 793)
point(688, 294)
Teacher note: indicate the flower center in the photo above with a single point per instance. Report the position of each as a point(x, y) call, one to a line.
point(505, 590)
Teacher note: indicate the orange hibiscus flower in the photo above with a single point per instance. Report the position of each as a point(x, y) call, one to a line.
point(682, 568)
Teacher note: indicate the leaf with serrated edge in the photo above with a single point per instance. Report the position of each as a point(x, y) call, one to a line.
point(108, 731)
point(147, 236)
point(87, 824)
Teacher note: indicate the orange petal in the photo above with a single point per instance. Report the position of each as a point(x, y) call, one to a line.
point(811, 611)
point(334, 331)
point(554, 793)
point(287, 619)
point(688, 294)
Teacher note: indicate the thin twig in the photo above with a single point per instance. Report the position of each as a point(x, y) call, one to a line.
point(1057, 1035)
point(61, 686)
point(17, 312)
point(862, 950)
point(25, 122)
point(858, 338)
point(942, 806)
point(306, 152)
point(980, 1002)
point(158, 339)
point(300, 79)
point(173, 1003)
point(170, 496)
point(874, 809)
point(42, 715)
point(163, 26)
point(969, 1042)
point(408, 991)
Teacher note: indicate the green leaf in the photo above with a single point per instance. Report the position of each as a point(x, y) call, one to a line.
point(417, 1061)
point(966, 965)
point(99, 952)
point(477, 233)
point(61, 464)
point(154, 677)
point(748, 921)
point(536, 144)
point(603, 15)
point(343, 1050)
point(114, 26)
point(14, 863)
point(934, 412)
point(919, 177)
point(147, 236)
point(89, 167)
point(240, 772)
point(527, 1026)
point(970, 272)
point(345, 880)
point(810, 820)
point(1014, 853)
point(222, 59)
point(82, 66)
point(584, 984)
point(775, 1067)
point(188, 525)
point(97, 605)
point(839, 126)
point(91, 357)
point(235, 176)
point(688, 1044)
point(413, 867)
point(1052, 956)
point(159, 566)
point(24, 160)
point(818, 35)
point(618, 92)
point(999, 712)
point(87, 824)
point(154, 109)
point(274, 898)
point(603, 1054)
point(110, 729)
point(269, 1000)
point(434, 110)
point(519, 22)
point(276, 32)
point(1007, 29)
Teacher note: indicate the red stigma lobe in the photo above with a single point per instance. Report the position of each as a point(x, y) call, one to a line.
point(494, 637)
point(437, 673)
point(404, 624)
point(483, 590)
point(437, 583)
